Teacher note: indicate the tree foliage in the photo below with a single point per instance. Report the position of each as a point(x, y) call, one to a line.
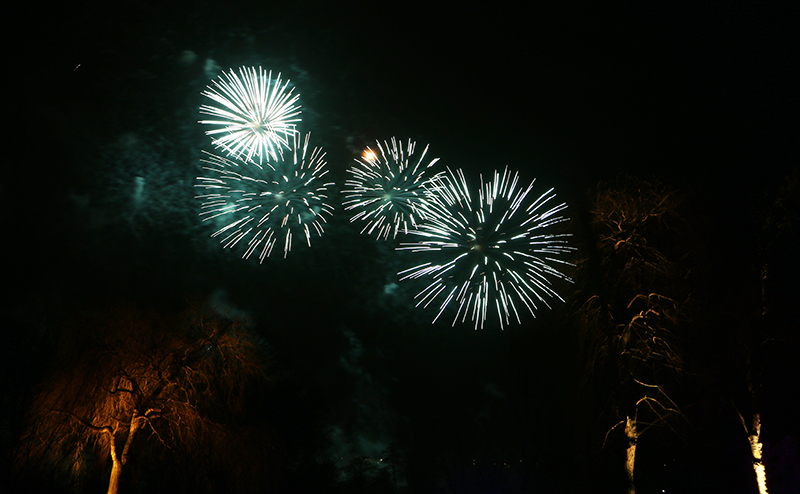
point(635, 280)
point(129, 379)
point(634, 302)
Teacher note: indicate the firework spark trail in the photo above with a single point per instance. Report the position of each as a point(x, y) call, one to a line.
point(254, 116)
point(490, 255)
point(386, 188)
point(258, 203)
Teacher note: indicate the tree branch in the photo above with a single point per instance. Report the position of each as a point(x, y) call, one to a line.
point(609, 432)
point(83, 421)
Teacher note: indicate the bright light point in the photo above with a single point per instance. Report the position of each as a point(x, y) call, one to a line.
point(369, 155)
point(487, 251)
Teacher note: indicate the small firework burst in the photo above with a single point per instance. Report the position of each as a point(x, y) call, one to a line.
point(387, 187)
point(254, 115)
point(264, 203)
point(493, 254)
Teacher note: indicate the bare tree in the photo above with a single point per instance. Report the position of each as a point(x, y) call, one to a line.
point(776, 325)
point(128, 376)
point(633, 304)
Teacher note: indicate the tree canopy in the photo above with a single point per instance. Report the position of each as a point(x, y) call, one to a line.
point(127, 379)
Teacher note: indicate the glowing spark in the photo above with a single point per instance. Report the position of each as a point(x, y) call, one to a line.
point(489, 255)
point(386, 188)
point(254, 114)
point(261, 203)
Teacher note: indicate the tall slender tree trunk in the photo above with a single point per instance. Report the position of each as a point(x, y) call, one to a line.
point(754, 431)
point(755, 448)
point(630, 454)
point(116, 471)
point(116, 466)
point(119, 460)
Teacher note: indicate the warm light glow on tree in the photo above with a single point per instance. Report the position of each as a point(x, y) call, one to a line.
point(128, 372)
point(635, 316)
point(630, 453)
point(756, 449)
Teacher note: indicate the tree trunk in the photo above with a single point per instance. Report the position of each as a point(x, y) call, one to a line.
point(118, 461)
point(116, 471)
point(630, 455)
point(755, 449)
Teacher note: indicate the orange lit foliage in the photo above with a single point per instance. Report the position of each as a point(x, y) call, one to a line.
point(126, 377)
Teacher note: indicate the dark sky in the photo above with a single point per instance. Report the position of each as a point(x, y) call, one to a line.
point(701, 97)
point(104, 92)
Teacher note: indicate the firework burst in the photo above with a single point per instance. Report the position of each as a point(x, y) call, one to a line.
point(261, 205)
point(495, 254)
point(254, 114)
point(386, 188)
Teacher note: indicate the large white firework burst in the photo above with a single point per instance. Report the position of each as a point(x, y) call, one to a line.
point(386, 188)
point(262, 205)
point(254, 116)
point(494, 254)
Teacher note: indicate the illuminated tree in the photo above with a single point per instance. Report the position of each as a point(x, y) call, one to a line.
point(634, 305)
point(132, 380)
point(776, 323)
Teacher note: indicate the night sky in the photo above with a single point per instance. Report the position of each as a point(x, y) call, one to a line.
point(103, 95)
